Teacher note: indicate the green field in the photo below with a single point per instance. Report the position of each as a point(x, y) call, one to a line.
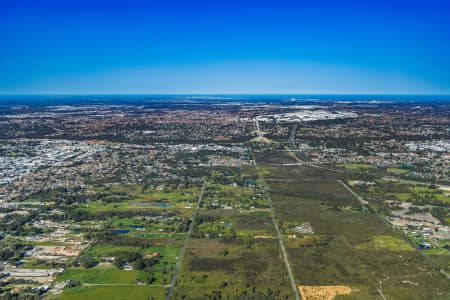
point(111, 292)
point(102, 275)
point(356, 166)
point(169, 252)
point(385, 242)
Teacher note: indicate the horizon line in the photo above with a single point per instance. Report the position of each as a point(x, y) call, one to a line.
point(224, 94)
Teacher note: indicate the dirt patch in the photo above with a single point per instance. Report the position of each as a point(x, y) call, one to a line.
point(263, 237)
point(326, 292)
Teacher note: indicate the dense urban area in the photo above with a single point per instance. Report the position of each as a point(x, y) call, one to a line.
point(224, 198)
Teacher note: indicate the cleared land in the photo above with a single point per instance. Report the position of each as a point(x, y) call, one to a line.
point(323, 292)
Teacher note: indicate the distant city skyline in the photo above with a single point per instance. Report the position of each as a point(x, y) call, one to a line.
point(209, 47)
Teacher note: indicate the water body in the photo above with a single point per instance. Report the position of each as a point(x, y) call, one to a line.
point(121, 231)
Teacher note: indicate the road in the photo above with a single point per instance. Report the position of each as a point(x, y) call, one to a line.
point(293, 146)
point(258, 130)
point(292, 137)
point(280, 239)
point(360, 199)
point(186, 241)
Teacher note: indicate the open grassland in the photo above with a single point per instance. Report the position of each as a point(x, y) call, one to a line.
point(233, 267)
point(385, 242)
point(113, 292)
point(102, 274)
point(350, 246)
point(167, 249)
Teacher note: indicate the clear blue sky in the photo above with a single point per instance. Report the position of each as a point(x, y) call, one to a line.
point(68, 46)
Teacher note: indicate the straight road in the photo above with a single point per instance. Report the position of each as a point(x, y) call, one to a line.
point(360, 199)
point(279, 237)
point(186, 241)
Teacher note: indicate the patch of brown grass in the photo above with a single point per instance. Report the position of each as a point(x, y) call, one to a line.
point(318, 292)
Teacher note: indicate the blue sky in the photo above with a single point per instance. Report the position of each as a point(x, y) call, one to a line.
point(153, 47)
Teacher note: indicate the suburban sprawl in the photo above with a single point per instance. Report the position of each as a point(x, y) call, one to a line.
point(224, 198)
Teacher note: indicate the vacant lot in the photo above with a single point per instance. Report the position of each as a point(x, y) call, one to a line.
point(323, 292)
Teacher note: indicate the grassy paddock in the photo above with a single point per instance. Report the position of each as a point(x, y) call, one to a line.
point(111, 292)
point(102, 275)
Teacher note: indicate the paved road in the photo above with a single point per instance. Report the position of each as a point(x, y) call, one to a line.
point(258, 130)
point(292, 137)
point(186, 241)
point(280, 240)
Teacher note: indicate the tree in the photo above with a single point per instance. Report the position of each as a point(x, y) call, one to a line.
point(87, 260)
